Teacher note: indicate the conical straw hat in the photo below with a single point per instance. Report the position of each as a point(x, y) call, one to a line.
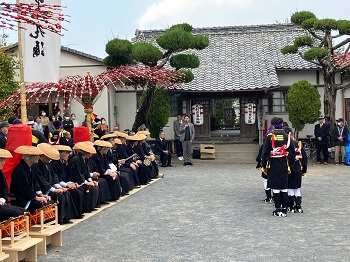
point(88, 143)
point(85, 147)
point(117, 141)
point(112, 135)
point(121, 134)
point(134, 138)
point(29, 150)
point(62, 148)
point(49, 151)
point(142, 136)
point(103, 143)
point(144, 132)
point(5, 153)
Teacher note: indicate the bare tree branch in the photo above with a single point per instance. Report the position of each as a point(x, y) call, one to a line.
point(313, 33)
point(343, 86)
point(341, 44)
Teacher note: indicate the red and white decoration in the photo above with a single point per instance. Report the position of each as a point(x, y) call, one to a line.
point(197, 113)
point(249, 113)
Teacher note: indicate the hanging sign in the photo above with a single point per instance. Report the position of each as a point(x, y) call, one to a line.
point(41, 49)
point(249, 113)
point(197, 113)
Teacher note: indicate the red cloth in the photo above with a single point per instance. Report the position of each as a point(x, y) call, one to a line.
point(80, 134)
point(18, 135)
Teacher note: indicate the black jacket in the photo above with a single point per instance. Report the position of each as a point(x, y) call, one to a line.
point(160, 146)
point(321, 132)
point(340, 131)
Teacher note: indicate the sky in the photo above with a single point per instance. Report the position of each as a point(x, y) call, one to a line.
point(94, 22)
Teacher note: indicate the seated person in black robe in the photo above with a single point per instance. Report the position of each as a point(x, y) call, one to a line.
point(60, 168)
point(79, 171)
point(49, 183)
point(127, 164)
point(6, 210)
point(104, 170)
point(25, 190)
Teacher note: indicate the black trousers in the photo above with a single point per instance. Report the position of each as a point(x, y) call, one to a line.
point(7, 211)
point(178, 145)
point(165, 159)
point(324, 149)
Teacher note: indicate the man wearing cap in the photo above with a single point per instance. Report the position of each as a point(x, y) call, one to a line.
point(50, 184)
point(79, 171)
point(340, 137)
point(25, 190)
point(60, 168)
point(321, 133)
point(277, 152)
point(6, 210)
point(4, 129)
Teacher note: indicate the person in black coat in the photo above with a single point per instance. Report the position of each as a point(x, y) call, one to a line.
point(160, 148)
point(25, 190)
point(321, 133)
point(79, 171)
point(60, 168)
point(49, 183)
point(340, 138)
point(4, 128)
point(277, 157)
point(6, 210)
point(67, 123)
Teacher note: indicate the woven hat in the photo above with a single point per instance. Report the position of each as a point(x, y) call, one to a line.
point(121, 134)
point(144, 132)
point(85, 147)
point(62, 148)
point(134, 138)
point(111, 135)
point(103, 143)
point(5, 153)
point(117, 141)
point(49, 151)
point(89, 143)
point(142, 136)
point(29, 150)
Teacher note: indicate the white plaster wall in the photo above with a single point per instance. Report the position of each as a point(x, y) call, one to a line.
point(126, 106)
point(289, 77)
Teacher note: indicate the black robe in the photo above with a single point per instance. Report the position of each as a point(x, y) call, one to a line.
point(23, 188)
point(125, 178)
point(152, 169)
point(277, 173)
point(102, 167)
point(61, 170)
point(47, 180)
point(122, 154)
point(142, 173)
point(7, 210)
point(297, 170)
point(104, 195)
point(79, 171)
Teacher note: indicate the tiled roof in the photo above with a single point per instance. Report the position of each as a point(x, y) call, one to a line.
point(69, 50)
point(240, 57)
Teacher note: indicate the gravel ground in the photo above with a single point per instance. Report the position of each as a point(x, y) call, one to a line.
point(212, 211)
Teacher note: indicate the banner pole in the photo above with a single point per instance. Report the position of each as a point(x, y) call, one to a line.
point(22, 85)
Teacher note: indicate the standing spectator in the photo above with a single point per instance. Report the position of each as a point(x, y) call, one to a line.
point(37, 136)
point(162, 151)
point(340, 137)
point(4, 129)
point(51, 126)
point(58, 115)
point(98, 131)
point(37, 125)
point(176, 126)
point(74, 119)
point(104, 127)
point(321, 133)
point(187, 136)
point(45, 123)
point(68, 123)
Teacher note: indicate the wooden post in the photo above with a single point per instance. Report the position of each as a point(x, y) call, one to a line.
point(22, 85)
point(88, 111)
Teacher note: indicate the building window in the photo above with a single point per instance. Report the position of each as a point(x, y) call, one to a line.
point(174, 104)
point(278, 102)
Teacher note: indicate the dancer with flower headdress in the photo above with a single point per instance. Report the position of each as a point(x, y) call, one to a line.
point(276, 157)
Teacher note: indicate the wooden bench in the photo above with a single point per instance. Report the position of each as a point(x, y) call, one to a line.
point(44, 224)
point(3, 255)
point(16, 241)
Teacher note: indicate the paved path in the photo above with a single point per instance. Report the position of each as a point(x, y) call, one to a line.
point(213, 212)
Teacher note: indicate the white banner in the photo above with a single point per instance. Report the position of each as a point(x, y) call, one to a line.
point(41, 50)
